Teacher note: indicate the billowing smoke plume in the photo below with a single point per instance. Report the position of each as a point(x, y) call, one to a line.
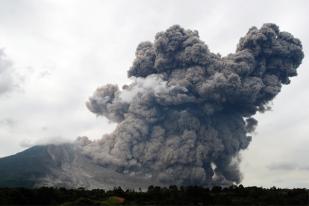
point(188, 112)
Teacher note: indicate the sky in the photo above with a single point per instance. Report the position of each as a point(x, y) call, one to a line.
point(55, 53)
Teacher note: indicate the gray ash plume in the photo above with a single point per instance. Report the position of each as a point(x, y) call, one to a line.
point(189, 112)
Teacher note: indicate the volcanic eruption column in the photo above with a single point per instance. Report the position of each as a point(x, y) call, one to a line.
point(188, 112)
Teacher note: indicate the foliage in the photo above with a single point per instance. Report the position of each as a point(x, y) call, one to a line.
point(173, 195)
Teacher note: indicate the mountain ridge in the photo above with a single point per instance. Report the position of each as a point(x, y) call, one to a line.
point(62, 165)
point(23, 169)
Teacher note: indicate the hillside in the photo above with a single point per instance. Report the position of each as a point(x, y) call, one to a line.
point(24, 169)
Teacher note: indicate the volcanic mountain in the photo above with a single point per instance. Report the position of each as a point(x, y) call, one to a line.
point(61, 166)
point(183, 120)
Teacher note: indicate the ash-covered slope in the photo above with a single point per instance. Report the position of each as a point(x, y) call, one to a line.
point(61, 166)
point(24, 169)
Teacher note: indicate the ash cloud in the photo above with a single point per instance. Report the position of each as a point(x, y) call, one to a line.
point(189, 112)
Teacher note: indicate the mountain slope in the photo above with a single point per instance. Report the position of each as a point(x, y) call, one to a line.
point(24, 169)
point(63, 166)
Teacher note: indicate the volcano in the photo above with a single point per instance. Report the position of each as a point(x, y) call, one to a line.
point(183, 120)
point(61, 166)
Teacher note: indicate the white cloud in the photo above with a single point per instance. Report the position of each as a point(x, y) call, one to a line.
point(7, 81)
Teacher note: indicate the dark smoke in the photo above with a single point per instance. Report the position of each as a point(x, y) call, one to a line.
point(188, 112)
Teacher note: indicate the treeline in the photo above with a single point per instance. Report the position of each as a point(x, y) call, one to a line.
point(173, 195)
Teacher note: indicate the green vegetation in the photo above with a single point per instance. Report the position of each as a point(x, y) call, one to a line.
point(173, 195)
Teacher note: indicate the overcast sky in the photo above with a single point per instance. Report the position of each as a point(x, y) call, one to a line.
point(56, 52)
